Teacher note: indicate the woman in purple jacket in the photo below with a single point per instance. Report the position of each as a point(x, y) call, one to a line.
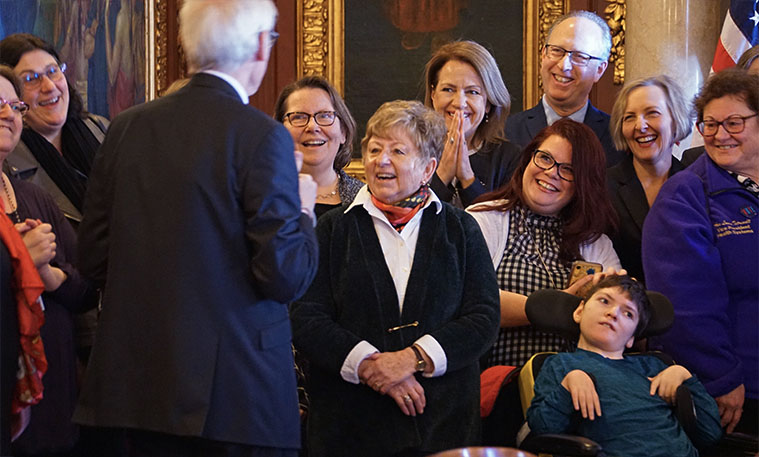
point(700, 243)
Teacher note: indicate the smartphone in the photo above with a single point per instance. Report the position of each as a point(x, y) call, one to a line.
point(580, 269)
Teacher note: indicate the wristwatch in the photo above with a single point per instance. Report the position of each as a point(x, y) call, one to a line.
point(421, 364)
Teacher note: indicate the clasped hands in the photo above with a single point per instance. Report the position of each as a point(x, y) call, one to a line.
point(392, 374)
point(39, 240)
point(454, 161)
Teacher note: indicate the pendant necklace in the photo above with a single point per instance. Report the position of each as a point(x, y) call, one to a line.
point(329, 194)
point(14, 212)
point(540, 256)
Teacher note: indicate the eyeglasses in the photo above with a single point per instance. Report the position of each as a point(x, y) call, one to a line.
point(18, 107)
point(323, 118)
point(545, 161)
point(578, 58)
point(273, 38)
point(733, 124)
point(33, 80)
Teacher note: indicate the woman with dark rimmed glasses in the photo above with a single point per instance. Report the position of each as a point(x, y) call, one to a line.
point(700, 244)
point(554, 211)
point(323, 131)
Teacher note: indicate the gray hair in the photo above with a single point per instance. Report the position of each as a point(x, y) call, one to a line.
point(223, 34)
point(424, 126)
point(593, 17)
point(680, 108)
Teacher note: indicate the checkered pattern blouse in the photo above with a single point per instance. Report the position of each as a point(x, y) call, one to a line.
point(521, 271)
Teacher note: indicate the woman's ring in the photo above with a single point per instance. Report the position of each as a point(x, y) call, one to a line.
point(378, 385)
point(406, 398)
point(450, 139)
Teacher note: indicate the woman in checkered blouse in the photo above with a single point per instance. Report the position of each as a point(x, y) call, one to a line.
point(554, 210)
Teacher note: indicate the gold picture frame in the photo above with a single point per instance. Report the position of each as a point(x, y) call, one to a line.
point(321, 33)
point(156, 52)
point(321, 29)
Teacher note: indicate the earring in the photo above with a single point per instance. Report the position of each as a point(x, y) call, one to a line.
point(486, 117)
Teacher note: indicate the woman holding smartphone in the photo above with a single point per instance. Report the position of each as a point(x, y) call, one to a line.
point(554, 211)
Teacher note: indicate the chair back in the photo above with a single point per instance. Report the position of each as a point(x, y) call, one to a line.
point(550, 310)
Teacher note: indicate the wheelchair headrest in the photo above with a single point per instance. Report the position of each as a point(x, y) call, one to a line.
point(550, 310)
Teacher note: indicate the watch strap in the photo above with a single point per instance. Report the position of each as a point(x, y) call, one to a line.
point(421, 364)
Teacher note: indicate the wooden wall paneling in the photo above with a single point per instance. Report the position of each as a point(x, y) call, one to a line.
point(282, 66)
point(281, 70)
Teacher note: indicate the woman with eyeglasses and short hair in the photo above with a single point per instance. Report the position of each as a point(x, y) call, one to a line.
point(323, 131)
point(51, 242)
point(555, 210)
point(59, 139)
point(700, 243)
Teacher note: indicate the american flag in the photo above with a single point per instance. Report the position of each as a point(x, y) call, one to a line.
point(739, 32)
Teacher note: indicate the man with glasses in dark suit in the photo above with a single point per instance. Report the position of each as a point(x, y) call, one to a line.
point(574, 58)
point(194, 224)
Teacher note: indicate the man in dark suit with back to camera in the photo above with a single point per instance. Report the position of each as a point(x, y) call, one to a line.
point(194, 224)
point(574, 58)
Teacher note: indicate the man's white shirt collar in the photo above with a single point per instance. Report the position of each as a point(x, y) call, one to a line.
point(552, 116)
point(232, 82)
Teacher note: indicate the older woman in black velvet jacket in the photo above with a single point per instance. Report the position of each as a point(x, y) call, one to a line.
point(649, 116)
point(404, 303)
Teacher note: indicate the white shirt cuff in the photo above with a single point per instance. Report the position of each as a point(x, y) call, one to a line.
point(435, 353)
point(349, 370)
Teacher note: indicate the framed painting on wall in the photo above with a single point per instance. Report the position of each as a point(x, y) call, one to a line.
point(113, 59)
point(376, 51)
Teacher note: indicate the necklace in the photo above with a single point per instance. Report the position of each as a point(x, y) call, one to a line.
point(329, 194)
point(14, 210)
point(545, 267)
point(540, 256)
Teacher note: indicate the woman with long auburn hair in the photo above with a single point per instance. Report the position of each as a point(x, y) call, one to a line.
point(554, 211)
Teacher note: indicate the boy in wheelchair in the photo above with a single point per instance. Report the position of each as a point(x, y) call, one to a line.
point(622, 402)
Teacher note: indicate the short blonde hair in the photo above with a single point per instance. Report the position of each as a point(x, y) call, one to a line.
point(424, 126)
point(680, 108)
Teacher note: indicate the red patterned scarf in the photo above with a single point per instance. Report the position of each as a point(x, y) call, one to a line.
point(28, 287)
point(399, 213)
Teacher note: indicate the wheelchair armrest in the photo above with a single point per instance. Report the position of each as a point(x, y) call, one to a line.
point(685, 411)
point(747, 444)
point(559, 444)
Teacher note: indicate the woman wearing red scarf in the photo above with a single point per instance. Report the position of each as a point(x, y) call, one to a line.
point(50, 242)
point(402, 307)
point(22, 356)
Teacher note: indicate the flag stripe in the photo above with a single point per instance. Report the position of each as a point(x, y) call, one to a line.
point(738, 34)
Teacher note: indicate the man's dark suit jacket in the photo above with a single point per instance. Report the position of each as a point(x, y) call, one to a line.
point(690, 155)
point(629, 200)
point(192, 219)
point(522, 127)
